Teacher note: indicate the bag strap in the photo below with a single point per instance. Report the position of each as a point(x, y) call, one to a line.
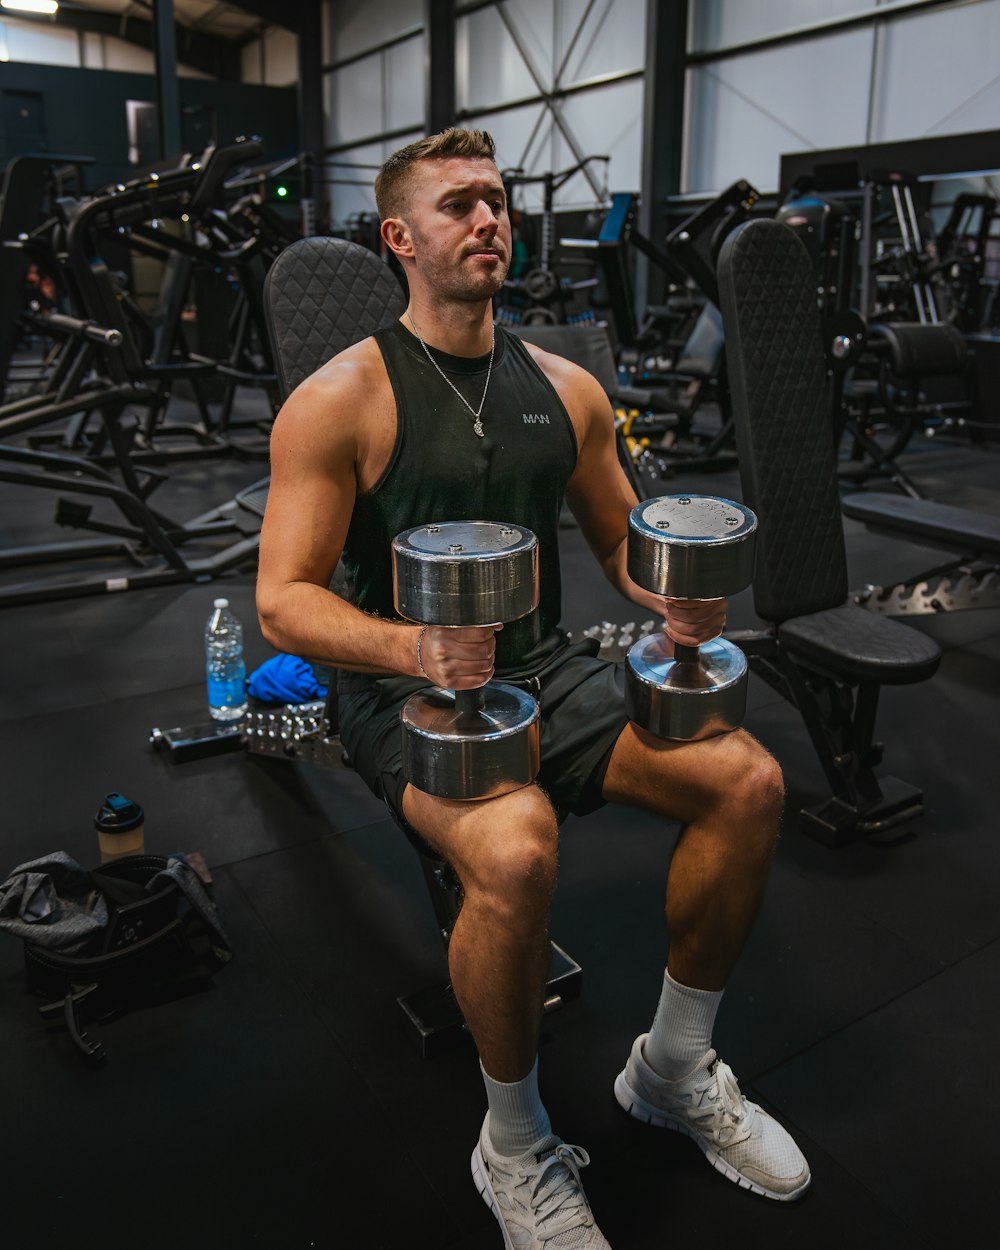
point(93, 1053)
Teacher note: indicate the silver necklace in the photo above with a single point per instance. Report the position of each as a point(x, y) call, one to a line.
point(476, 412)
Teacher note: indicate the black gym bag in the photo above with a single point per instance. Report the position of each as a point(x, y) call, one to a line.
point(162, 940)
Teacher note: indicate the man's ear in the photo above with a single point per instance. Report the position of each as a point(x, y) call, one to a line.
point(396, 235)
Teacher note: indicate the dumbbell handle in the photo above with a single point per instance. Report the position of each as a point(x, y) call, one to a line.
point(469, 702)
point(685, 654)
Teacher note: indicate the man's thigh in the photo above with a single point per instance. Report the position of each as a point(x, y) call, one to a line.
point(582, 714)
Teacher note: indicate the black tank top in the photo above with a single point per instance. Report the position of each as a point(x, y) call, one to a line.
point(440, 470)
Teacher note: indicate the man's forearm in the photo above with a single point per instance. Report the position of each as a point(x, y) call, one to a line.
point(314, 623)
point(616, 571)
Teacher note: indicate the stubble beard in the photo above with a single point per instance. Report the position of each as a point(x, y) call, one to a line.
point(452, 282)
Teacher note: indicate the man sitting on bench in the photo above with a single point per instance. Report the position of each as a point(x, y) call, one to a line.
point(425, 422)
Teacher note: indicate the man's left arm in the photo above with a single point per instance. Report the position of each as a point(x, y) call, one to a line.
point(601, 498)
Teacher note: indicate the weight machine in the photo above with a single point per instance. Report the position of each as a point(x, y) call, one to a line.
point(664, 380)
point(541, 296)
point(108, 360)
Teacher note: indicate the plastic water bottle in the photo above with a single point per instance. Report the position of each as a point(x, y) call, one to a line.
point(227, 698)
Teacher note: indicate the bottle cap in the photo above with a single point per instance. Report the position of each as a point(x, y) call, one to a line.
point(222, 603)
point(117, 814)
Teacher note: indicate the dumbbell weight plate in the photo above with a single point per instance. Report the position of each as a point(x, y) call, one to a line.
point(686, 701)
point(691, 546)
point(465, 573)
point(471, 755)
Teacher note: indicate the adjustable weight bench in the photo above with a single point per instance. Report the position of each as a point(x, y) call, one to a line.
point(825, 654)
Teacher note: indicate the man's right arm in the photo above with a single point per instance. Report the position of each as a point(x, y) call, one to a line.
point(315, 450)
point(317, 444)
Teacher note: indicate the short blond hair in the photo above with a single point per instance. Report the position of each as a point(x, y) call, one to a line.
point(392, 180)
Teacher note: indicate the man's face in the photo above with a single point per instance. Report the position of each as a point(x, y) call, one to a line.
point(457, 215)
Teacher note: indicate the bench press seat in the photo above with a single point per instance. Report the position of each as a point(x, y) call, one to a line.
point(857, 646)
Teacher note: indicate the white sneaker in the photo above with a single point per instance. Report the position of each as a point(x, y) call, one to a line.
point(538, 1199)
point(737, 1137)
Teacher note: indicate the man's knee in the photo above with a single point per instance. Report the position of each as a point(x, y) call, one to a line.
point(751, 796)
point(755, 779)
point(504, 849)
point(510, 865)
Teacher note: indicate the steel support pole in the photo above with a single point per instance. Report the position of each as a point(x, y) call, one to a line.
point(439, 65)
point(662, 133)
point(168, 105)
point(311, 125)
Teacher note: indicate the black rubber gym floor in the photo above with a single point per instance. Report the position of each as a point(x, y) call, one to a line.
point(289, 1108)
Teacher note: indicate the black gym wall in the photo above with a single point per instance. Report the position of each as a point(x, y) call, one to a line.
point(84, 114)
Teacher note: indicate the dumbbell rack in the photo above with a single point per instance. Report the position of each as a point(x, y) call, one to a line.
point(302, 732)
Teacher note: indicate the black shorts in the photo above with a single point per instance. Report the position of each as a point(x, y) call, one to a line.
point(582, 712)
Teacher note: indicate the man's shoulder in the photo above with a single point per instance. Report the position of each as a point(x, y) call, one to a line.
point(359, 366)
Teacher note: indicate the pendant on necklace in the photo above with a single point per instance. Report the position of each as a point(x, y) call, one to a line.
point(478, 427)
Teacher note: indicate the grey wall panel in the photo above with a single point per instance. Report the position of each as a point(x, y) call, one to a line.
point(605, 121)
point(718, 24)
point(356, 25)
point(403, 83)
point(513, 52)
point(489, 67)
point(354, 101)
point(744, 112)
point(612, 39)
point(939, 73)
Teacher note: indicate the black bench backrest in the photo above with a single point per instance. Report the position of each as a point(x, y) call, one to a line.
point(781, 414)
point(321, 296)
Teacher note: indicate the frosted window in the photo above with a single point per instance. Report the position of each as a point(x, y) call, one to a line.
point(281, 57)
point(250, 62)
point(29, 43)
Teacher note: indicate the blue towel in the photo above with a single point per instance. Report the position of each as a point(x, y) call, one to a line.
point(286, 679)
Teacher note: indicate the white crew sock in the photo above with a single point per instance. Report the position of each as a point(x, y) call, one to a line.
point(517, 1117)
point(682, 1029)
